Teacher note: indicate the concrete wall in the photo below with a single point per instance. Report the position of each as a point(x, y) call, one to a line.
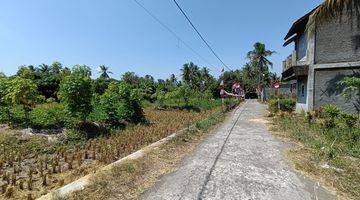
point(328, 91)
point(338, 40)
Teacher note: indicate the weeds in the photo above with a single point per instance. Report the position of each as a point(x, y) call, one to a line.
point(330, 148)
point(131, 179)
point(44, 165)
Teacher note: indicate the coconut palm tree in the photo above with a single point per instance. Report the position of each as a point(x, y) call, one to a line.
point(43, 68)
point(259, 59)
point(205, 73)
point(191, 74)
point(247, 71)
point(104, 72)
point(332, 8)
point(173, 79)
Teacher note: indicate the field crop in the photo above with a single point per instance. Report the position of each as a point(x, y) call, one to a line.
point(33, 166)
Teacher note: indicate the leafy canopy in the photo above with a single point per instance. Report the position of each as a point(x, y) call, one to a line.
point(76, 91)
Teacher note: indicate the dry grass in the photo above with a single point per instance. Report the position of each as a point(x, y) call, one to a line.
point(308, 159)
point(131, 179)
point(67, 165)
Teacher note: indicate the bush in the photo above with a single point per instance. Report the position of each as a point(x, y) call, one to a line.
point(273, 105)
point(131, 109)
point(286, 105)
point(110, 102)
point(350, 120)
point(75, 137)
point(48, 116)
point(76, 91)
point(331, 111)
point(328, 115)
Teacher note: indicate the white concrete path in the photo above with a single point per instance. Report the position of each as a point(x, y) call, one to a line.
point(245, 164)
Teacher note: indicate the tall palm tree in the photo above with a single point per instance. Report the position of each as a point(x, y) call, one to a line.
point(259, 59)
point(104, 72)
point(247, 71)
point(43, 68)
point(191, 74)
point(205, 73)
point(332, 8)
point(173, 79)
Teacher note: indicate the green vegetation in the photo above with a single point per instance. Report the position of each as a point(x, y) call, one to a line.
point(85, 123)
point(76, 92)
point(281, 103)
point(333, 8)
point(133, 177)
point(54, 96)
point(352, 90)
point(212, 120)
point(331, 146)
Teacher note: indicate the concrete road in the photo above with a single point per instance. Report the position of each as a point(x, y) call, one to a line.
point(240, 161)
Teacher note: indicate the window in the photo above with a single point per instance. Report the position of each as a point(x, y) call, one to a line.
point(301, 46)
point(303, 90)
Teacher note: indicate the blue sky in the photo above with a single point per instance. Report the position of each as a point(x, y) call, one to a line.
point(119, 34)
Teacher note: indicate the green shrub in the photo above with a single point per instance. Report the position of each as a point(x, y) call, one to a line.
point(273, 105)
point(326, 123)
point(109, 103)
point(75, 137)
point(14, 115)
point(329, 114)
point(130, 109)
point(350, 120)
point(76, 92)
point(286, 105)
point(52, 115)
point(331, 111)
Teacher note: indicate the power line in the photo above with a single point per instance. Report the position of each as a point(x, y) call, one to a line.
point(172, 32)
point(202, 38)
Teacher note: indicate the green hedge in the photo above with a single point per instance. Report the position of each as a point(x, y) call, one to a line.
point(285, 104)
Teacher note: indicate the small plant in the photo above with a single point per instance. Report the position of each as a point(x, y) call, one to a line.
point(350, 120)
point(309, 116)
point(329, 115)
point(281, 104)
point(331, 111)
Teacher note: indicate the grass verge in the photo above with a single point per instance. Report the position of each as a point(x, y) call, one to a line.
point(131, 179)
point(329, 156)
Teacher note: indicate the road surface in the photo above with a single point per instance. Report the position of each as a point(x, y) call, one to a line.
point(245, 164)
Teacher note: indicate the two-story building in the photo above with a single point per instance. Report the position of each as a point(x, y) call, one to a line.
point(324, 54)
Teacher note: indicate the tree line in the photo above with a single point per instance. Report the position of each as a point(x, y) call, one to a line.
point(75, 88)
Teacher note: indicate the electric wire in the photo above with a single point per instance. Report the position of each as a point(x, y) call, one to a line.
point(173, 33)
point(199, 34)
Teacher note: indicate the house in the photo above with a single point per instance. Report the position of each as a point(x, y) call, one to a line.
point(324, 54)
